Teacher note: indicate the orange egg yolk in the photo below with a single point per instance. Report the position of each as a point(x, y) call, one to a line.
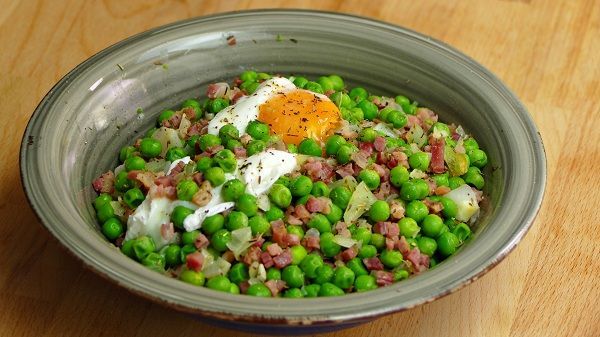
point(300, 114)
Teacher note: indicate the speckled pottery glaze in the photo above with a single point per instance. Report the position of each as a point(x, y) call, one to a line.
point(94, 110)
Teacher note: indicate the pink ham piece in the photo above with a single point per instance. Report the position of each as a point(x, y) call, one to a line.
point(383, 278)
point(282, 260)
point(437, 155)
point(167, 231)
point(302, 213)
point(387, 228)
point(319, 170)
point(165, 181)
point(240, 152)
point(390, 243)
point(201, 241)
point(174, 121)
point(292, 240)
point(320, 204)
point(266, 259)
point(379, 144)
point(312, 243)
point(403, 246)
point(349, 254)
point(105, 183)
point(345, 170)
point(194, 261)
point(275, 286)
point(252, 255)
point(217, 90)
point(419, 261)
point(274, 249)
point(373, 263)
point(367, 148)
point(279, 232)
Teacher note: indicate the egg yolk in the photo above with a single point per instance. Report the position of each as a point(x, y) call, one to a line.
point(300, 114)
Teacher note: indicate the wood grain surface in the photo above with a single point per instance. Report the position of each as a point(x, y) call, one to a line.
point(548, 52)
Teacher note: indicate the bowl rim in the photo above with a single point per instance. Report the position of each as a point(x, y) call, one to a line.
point(474, 274)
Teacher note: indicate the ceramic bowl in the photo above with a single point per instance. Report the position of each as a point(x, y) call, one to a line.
point(93, 111)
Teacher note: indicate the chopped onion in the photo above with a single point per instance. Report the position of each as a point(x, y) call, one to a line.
point(168, 138)
point(348, 181)
point(458, 163)
point(466, 201)
point(156, 166)
point(312, 232)
point(360, 202)
point(119, 168)
point(461, 132)
point(416, 135)
point(263, 202)
point(219, 267)
point(417, 174)
point(117, 207)
point(240, 241)
point(344, 241)
point(184, 125)
point(385, 129)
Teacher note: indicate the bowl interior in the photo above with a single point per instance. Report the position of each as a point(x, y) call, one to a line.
point(116, 95)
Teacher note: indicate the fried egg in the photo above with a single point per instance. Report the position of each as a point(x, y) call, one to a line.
point(291, 113)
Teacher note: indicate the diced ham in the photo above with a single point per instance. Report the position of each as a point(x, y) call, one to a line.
point(283, 260)
point(252, 255)
point(274, 249)
point(201, 241)
point(341, 228)
point(167, 231)
point(373, 263)
point(194, 261)
point(365, 147)
point(178, 168)
point(383, 278)
point(384, 190)
point(379, 144)
point(320, 204)
point(412, 120)
point(258, 242)
point(293, 220)
point(236, 95)
point(302, 213)
point(387, 228)
point(319, 170)
point(292, 239)
point(427, 117)
point(434, 207)
point(165, 181)
point(396, 210)
point(312, 243)
point(240, 152)
point(279, 232)
point(396, 158)
point(105, 183)
point(197, 128)
point(143, 177)
point(361, 158)
point(382, 171)
point(403, 246)
point(349, 254)
point(217, 90)
point(345, 170)
point(174, 121)
point(266, 259)
point(189, 113)
point(198, 178)
point(212, 150)
point(419, 261)
point(160, 191)
point(437, 155)
point(441, 190)
point(204, 194)
point(390, 243)
point(275, 286)
point(244, 285)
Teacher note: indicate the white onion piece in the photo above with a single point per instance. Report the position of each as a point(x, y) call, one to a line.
point(344, 241)
point(184, 160)
point(240, 241)
point(466, 202)
point(219, 267)
point(360, 202)
point(385, 129)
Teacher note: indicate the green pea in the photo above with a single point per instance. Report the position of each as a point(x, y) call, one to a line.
point(311, 290)
point(310, 147)
point(249, 75)
point(228, 132)
point(215, 175)
point(226, 160)
point(293, 276)
point(217, 105)
point(328, 246)
point(189, 238)
point(367, 135)
point(310, 264)
point(105, 212)
point(213, 223)
point(134, 163)
point(410, 109)
point(195, 105)
point(399, 175)
point(236, 220)
point(220, 239)
point(234, 289)
point(203, 164)
point(300, 82)
point(462, 232)
point(320, 223)
point(301, 186)
point(172, 255)
point(280, 195)
point(326, 83)
point(427, 245)
point(344, 153)
point(474, 179)
point(233, 189)
point(397, 118)
point(441, 179)
point(127, 249)
point(394, 143)
point(336, 81)
point(343, 277)
point(385, 113)
point(165, 115)
point(324, 274)
point(341, 99)
point(293, 293)
point(296, 230)
point(400, 275)
point(369, 109)
point(362, 234)
point(255, 146)
point(449, 207)
point(238, 273)
point(150, 147)
point(447, 243)
point(185, 251)
point(333, 144)
point(273, 274)
point(207, 141)
point(179, 214)
point(378, 240)
point(358, 94)
point(402, 100)
point(379, 211)
point(126, 152)
point(440, 128)
point(408, 227)
point(259, 290)
point(219, 282)
point(391, 258)
point(419, 161)
point(154, 261)
point(263, 76)
point(186, 189)
point(470, 144)
point(175, 153)
point(328, 289)
point(251, 88)
point(455, 182)
point(417, 210)
point(432, 226)
point(292, 148)
point(258, 130)
point(103, 198)
point(357, 267)
point(192, 277)
point(365, 283)
point(298, 253)
point(150, 132)
point(367, 251)
point(340, 196)
point(320, 189)
point(335, 213)
point(133, 197)
point(414, 189)
point(246, 203)
point(143, 246)
point(370, 178)
point(259, 224)
point(274, 213)
point(112, 228)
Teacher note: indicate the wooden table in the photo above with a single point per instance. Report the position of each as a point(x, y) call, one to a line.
point(548, 52)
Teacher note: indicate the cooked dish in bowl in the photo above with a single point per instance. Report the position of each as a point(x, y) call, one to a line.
point(276, 186)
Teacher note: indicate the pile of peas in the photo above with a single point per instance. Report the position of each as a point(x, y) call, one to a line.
point(310, 274)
